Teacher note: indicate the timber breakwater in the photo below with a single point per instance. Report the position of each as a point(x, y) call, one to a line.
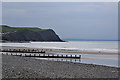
point(36, 53)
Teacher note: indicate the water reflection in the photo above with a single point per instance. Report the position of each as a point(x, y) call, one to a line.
point(62, 59)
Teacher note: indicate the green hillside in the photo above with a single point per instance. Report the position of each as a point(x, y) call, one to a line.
point(12, 29)
point(18, 34)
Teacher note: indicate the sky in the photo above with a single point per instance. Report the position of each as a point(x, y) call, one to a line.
point(73, 20)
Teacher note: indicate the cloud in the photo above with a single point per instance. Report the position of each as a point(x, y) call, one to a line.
point(69, 20)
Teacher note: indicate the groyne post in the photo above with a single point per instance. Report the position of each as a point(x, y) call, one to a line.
point(62, 55)
point(80, 56)
point(53, 55)
point(75, 56)
point(75, 60)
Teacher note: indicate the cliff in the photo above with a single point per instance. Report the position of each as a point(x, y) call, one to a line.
point(28, 34)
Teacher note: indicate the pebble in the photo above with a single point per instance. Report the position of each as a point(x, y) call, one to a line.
point(43, 68)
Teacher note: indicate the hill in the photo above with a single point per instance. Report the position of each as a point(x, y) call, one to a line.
point(27, 34)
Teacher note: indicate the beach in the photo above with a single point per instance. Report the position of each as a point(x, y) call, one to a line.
point(48, 39)
point(92, 65)
point(108, 59)
point(49, 50)
point(27, 67)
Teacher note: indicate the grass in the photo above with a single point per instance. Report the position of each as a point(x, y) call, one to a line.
point(12, 29)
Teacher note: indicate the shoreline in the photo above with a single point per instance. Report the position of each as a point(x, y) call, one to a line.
point(74, 60)
point(27, 67)
point(82, 63)
point(49, 50)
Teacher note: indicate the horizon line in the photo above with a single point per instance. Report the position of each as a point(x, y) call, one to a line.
point(89, 39)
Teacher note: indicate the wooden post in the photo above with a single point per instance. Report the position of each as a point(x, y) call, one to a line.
point(75, 56)
point(24, 50)
point(33, 50)
point(18, 50)
point(75, 60)
point(80, 58)
point(48, 55)
point(53, 55)
point(66, 55)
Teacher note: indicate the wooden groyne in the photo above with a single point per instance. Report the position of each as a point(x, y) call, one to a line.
point(23, 50)
point(26, 52)
point(48, 50)
point(43, 55)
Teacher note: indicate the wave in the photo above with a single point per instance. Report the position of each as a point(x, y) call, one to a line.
point(105, 47)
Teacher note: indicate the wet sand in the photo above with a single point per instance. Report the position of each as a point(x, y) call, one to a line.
point(59, 50)
point(27, 67)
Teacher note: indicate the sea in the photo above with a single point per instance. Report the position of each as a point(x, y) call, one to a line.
point(86, 46)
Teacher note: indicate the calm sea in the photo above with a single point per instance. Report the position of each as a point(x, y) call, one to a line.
point(88, 46)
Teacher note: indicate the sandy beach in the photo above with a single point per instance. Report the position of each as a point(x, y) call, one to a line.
point(27, 67)
point(58, 50)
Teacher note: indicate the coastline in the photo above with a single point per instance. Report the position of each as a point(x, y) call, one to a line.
point(27, 67)
point(47, 50)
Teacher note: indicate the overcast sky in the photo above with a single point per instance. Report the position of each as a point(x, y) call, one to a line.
point(76, 20)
